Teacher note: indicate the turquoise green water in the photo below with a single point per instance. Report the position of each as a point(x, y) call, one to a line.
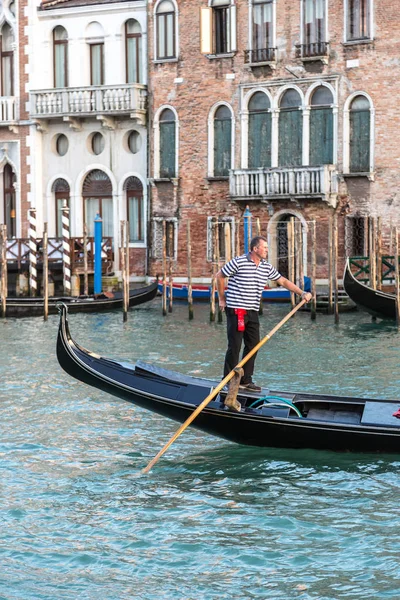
point(212, 520)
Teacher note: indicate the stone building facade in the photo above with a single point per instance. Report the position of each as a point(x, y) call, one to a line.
point(287, 107)
point(15, 155)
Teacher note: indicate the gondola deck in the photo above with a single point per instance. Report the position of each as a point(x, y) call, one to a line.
point(326, 422)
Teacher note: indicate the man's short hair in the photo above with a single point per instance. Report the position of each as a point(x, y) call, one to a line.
point(256, 240)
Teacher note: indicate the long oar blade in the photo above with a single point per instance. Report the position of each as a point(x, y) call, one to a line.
point(219, 387)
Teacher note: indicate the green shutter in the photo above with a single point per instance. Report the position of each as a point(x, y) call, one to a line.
point(167, 149)
point(259, 140)
point(359, 141)
point(290, 138)
point(321, 136)
point(222, 147)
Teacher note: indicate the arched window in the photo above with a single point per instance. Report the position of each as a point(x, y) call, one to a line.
point(290, 129)
point(9, 201)
point(167, 126)
point(165, 30)
point(321, 127)
point(95, 39)
point(133, 51)
point(60, 57)
point(360, 135)
point(135, 209)
point(259, 131)
point(97, 194)
point(222, 141)
point(7, 61)
point(60, 190)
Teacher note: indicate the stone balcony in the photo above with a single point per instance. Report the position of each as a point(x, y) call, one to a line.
point(102, 102)
point(8, 110)
point(292, 183)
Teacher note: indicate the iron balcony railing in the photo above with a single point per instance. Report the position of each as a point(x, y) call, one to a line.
point(284, 182)
point(259, 55)
point(86, 101)
point(312, 50)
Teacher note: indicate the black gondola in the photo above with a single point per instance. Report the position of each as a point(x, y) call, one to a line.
point(33, 307)
point(376, 302)
point(271, 418)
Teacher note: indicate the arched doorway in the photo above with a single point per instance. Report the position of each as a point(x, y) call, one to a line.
point(60, 190)
point(97, 200)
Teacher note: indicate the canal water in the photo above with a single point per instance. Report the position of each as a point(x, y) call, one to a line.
point(213, 520)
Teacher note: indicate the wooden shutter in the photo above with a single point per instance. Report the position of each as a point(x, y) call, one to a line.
point(167, 149)
point(321, 136)
point(205, 30)
point(259, 140)
point(222, 147)
point(290, 138)
point(232, 26)
point(360, 124)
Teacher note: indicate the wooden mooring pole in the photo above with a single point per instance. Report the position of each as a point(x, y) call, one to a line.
point(291, 257)
point(372, 253)
point(217, 254)
point(164, 286)
point(213, 278)
point(127, 268)
point(4, 283)
point(32, 252)
point(313, 228)
point(189, 266)
point(330, 265)
point(45, 274)
point(396, 269)
point(335, 267)
point(379, 253)
point(123, 272)
point(170, 259)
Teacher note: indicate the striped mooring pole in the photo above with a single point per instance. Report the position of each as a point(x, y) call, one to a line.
point(66, 249)
point(32, 252)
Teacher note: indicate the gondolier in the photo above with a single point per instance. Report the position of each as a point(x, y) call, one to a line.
point(247, 276)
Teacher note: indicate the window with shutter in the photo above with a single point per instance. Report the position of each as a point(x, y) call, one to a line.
point(290, 130)
point(259, 140)
point(222, 141)
point(360, 135)
point(321, 127)
point(167, 125)
point(165, 30)
point(358, 19)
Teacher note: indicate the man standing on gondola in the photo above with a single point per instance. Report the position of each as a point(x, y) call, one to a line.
point(247, 276)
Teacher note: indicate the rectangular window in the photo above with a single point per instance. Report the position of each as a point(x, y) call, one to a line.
point(220, 238)
point(166, 35)
point(97, 64)
point(60, 64)
point(314, 29)
point(221, 29)
point(262, 26)
point(358, 19)
point(135, 216)
point(7, 88)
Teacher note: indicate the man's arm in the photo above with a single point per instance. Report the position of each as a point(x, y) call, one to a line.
point(292, 287)
point(221, 290)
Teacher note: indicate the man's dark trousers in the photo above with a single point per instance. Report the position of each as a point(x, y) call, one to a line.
point(250, 336)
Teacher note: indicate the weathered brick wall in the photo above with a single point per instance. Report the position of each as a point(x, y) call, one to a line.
point(204, 83)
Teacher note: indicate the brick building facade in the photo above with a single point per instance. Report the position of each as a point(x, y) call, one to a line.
point(282, 106)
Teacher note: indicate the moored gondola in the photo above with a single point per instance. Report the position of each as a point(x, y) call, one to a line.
point(271, 418)
point(376, 302)
point(33, 307)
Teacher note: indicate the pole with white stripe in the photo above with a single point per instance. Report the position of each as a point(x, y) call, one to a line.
point(32, 252)
point(66, 249)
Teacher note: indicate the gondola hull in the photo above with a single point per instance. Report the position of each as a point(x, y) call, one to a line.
point(34, 307)
point(328, 422)
point(376, 302)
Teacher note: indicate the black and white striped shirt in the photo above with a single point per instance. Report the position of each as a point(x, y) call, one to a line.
point(247, 281)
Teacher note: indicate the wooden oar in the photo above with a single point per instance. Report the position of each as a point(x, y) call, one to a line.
point(220, 386)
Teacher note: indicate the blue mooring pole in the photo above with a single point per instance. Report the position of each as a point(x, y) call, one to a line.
point(98, 236)
point(247, 229)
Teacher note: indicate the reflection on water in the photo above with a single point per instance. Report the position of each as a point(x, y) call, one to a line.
point(212, 520)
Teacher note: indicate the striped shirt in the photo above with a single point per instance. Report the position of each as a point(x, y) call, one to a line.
point(247, 281)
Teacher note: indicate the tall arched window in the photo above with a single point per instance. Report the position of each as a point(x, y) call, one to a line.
point(321, 127)
point(60, 190)
point(60, 57)
point(97, 195)
point(9, 201)
point(165, 30)
point(135, 209)
point(290, 129)
point(167, 125)
point(133, 51)
point(360, 135)
point(7, 61)
point(259, 131)
point(222, 141)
